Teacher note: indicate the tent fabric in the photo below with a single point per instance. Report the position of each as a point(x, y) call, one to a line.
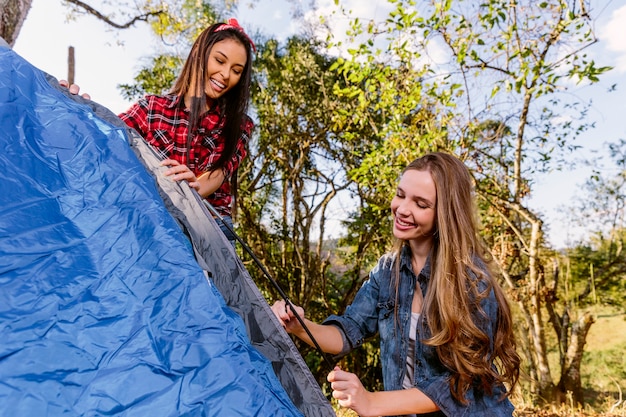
point(104, 309)
point(217, 257)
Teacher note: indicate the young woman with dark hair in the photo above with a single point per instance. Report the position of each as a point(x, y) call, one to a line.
point(201, 127)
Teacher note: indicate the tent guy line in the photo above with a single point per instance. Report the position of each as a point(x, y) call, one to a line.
point(282, 293)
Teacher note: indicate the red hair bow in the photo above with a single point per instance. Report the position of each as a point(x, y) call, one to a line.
point(233, 24)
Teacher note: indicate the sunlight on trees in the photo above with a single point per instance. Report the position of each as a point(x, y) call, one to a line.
point(342, 116)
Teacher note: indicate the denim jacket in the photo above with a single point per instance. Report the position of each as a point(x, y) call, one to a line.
point(373, 312)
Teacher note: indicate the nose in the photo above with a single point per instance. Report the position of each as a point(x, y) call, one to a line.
point(224, 73)
point(402, 208)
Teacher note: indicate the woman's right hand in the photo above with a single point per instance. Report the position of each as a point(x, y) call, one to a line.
point(286, 316)
point(179, 172)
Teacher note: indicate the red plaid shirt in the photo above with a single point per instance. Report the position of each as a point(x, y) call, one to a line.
point(164, 124)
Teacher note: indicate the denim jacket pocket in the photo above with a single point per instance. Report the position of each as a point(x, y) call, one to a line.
point(385, 309)
point(386, 318)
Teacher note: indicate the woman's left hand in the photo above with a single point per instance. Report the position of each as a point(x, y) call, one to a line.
point(349, 391)
point(180, 172)
point(74, 89)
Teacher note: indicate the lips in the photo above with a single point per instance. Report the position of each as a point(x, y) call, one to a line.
point(218, 84)
point(401, 224)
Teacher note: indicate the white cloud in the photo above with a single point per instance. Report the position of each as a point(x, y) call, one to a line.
point(614, 34)
point(338, 18)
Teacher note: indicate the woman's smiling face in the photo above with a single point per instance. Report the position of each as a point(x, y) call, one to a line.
point(227, 61)
point(414, 206)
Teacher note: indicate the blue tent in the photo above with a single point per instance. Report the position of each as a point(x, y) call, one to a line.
point(111, 279)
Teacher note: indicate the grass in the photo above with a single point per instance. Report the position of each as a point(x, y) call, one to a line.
point(603, 372)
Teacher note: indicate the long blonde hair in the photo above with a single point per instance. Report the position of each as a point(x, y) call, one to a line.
point(453, 299)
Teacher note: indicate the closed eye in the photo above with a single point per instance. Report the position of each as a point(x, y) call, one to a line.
point(423, 204)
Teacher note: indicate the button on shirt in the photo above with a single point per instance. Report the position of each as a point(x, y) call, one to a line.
point(163, 122)
point(372, 312)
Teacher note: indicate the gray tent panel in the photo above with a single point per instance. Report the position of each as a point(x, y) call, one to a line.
point(216, 256)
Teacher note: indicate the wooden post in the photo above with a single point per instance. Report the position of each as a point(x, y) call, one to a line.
point(593, 284)
point(70, 65)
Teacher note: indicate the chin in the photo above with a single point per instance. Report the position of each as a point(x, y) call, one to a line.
point(214, 95)
point(400, 235)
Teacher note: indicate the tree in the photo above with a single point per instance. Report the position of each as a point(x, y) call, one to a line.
point(292, 176)
point(496, 103)
point(598, 264)
point(14, 13)
point(594, 269)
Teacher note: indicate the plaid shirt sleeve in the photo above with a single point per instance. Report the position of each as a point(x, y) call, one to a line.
point(216, 146)
point(137, 117)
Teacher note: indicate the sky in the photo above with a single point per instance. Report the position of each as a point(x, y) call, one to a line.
point(105, 58)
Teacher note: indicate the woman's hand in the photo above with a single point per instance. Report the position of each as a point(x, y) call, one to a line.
point(349, 391)
point(74, 89)
point(179, 172)
point(286, 317)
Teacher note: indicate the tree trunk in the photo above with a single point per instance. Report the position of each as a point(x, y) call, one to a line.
point(537, 288)
point(570, 373)
point(13, 14)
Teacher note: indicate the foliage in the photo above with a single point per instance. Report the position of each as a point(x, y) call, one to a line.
point(493, 99)
point(597, 270)
point(183, 21)
point(334, 126)
point(292, 175)
point(155, 79)
point(598, 264)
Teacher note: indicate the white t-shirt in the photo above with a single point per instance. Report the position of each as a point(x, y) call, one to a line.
point(410, 356)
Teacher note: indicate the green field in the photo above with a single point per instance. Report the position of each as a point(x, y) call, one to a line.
point(604, 363)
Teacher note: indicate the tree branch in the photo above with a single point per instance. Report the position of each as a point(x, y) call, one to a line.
point(90, 10)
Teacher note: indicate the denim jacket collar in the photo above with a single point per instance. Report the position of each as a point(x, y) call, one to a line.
point(405, 264)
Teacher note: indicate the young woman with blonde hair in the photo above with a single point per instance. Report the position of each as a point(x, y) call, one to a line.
point(447, 343)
